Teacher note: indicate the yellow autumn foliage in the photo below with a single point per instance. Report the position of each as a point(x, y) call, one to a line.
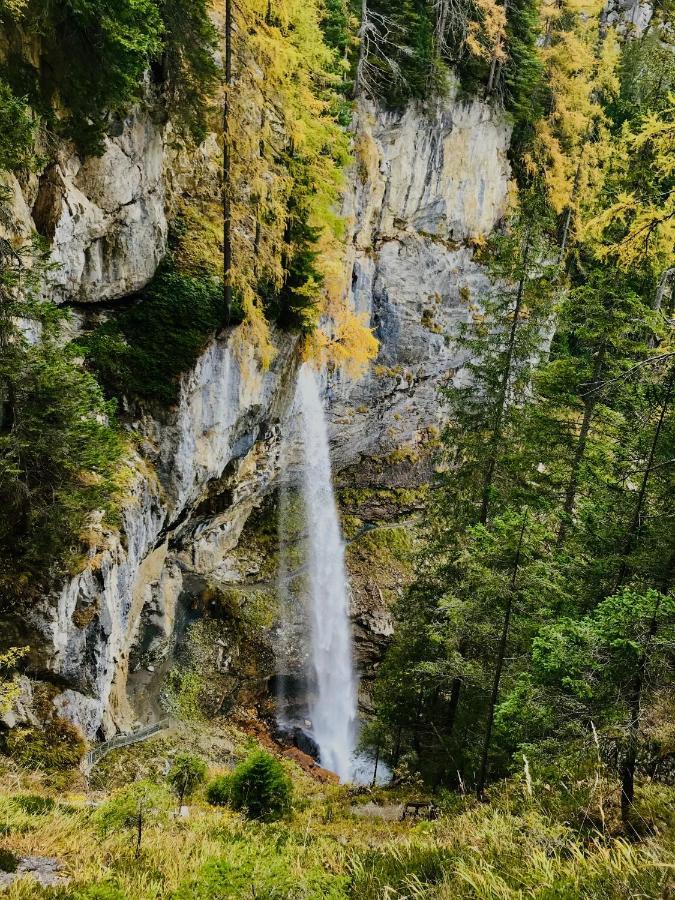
point(639, 226)
point(485, 37)
point(572, 141)
point(286, 149)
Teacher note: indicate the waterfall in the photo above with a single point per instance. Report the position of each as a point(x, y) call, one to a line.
point(332, 705)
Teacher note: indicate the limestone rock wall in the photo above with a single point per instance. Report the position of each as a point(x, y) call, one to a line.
point(425, 183)
point(220, 432)
point(104, 216)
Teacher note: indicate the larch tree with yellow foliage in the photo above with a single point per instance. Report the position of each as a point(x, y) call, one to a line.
point(285, 152)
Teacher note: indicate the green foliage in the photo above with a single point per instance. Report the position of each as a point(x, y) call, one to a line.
point(523, 72)
point(260, 787)
point(9, 686)
point(335, 26)
point(188, 64)
point(104, 45)
point(17, 131)
point(34, 804)
point(97, 892)
point(56, 747)
point(182, 694)
point(187, 772)
point(219, 790)
point(121, 810)
point(646, 75)
point(8, 860)
point(268, 872)
point(140, 353)
point(394, 869)
point(597, 658)
point(404, 63)
point(108, 45)
point(58, 449)
point(408, 58)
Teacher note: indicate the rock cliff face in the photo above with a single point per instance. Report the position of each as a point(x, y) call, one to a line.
point(426, 183)
point(104, 217)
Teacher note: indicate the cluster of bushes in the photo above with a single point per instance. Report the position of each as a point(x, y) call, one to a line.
point(258, 787)
point(59, 448)
point(412, 45)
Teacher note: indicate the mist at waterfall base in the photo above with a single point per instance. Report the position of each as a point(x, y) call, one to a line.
point(321, 628)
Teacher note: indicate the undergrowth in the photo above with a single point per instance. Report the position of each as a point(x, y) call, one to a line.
point(515, 847)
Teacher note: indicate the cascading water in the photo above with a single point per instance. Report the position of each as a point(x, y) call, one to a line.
point(333, 703)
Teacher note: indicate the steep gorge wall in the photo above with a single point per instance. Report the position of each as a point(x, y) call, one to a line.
point(425, 183)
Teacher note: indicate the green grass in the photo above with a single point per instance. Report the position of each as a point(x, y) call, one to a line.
point(514, 847)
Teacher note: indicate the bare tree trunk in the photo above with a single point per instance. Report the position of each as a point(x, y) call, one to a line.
point(636, 520)
point(630, 757)
point(491, 76)
point(590, 402)
point(359, 78)
point(501, 653)
point(666, 281)
point(377, 761)
point(227, 167)
point(494, 65)
point(503, 392)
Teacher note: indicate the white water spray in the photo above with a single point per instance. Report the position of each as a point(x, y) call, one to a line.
point(333, 704)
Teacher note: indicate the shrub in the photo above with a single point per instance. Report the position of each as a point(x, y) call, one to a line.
point(186, 773)
point(101, 891)
point(8, 861)
point(16, 131)
point(121, 810)
point(219, 790)
point(58, 746)
point(34, 804)
point(252, 869)
point(261, 788)
point(59, 452)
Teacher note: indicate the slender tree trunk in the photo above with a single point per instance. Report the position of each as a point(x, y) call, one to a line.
point(630, 757)
point(501, 653)
point(573, 196)
point(665, 281)
point(590, 401)
point(491, 76)
point(503, 392)
point(636, 520)
point(494, 65)
point(455, 692)
point(397, 748)
point(377, 760)
point(227, 167)
point(358, 79)
point(139, 829)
